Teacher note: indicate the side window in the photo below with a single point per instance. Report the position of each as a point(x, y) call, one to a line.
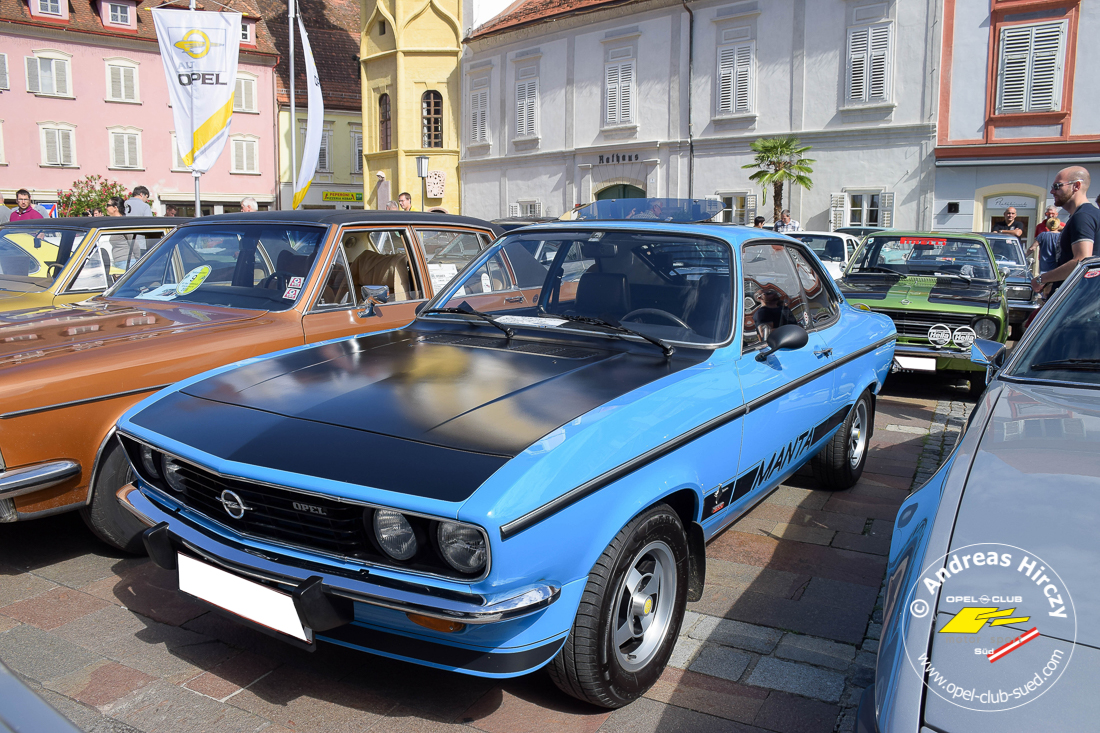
point(126, 248)
point(381, 257)
point(821, 308)
point(491, 277)
point(336, 292)
point(773, 296)
point(93, 273)
point(448, 251)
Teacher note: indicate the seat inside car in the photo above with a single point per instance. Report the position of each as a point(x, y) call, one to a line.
point(709, 314)
point(601, 294)
point(372, 268)
point(834, 250)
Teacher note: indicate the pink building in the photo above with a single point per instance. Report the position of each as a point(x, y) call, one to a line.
point(82, 91)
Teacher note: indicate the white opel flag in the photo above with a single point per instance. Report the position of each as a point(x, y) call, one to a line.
point(314, 123)
point(199, 50)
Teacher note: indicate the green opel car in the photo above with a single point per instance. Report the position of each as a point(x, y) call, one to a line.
point(942, 290)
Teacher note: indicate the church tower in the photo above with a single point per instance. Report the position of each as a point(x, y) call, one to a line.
point(410, 52)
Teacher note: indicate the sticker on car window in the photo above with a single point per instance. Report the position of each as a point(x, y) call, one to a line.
point(192, 280)
point(441, 274)
point(1091, 274)
point(536, 322)
point(296, 282)
point(164, 292)
point(486, 283)
point(924, 242)
point(291, 293)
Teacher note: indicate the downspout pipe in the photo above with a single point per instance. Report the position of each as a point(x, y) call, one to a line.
point(691, 82)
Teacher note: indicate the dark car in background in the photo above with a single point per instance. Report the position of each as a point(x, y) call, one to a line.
point(1022, 482)
point(1008, 253)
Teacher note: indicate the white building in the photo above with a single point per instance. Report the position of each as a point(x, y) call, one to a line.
point(585, 99)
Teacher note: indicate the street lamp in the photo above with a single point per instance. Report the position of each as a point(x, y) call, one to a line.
point(422, 172)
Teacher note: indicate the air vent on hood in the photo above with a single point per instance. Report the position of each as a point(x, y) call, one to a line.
point(525, 347)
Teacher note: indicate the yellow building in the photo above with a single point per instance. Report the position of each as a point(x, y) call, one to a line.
point(410, 51)
point(338, 181)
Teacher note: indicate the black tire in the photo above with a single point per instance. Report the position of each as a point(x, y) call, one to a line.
point(840, 463)
point(591, 666)
point(977, 384)
point(104, 515)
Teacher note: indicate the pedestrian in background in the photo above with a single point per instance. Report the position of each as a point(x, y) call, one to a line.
point(405, 201)
point(1046, 243)
point(758, 222)
point(171, 210)
point(786, 223)
point(138, 203)
point(391, 205)
point(1071, 192)
point(115, 206)
point(1010, 225)
point(23, 210)
point(1051, 212)
point(248, 205)
point(5, 214)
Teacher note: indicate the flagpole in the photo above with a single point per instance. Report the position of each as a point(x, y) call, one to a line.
point(291, 7)
point(194, 173)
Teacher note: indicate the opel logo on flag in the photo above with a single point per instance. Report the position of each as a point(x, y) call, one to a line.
point(195, 44)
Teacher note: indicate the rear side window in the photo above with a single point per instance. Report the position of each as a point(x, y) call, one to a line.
point(773, 294)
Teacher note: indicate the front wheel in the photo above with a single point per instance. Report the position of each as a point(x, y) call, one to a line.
point(840, 463)
point(630, 613)
point(104, 515)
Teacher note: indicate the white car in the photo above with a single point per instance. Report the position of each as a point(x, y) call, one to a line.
point(834, 249)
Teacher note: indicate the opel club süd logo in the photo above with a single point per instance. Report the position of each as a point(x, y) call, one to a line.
point(1003, 625)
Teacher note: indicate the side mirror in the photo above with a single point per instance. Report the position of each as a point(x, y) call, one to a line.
point(990, 354)
point(373, 295)
point(1005, 272)
point(784, 338)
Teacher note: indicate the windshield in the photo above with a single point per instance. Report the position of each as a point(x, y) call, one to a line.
point(254, 266)
point(929, 255)
point(39, 254)
point(1067, 348)
point(673, 287)
point(827, 248)
point(1007, 251)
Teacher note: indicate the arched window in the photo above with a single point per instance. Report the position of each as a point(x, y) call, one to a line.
point(384, 139)
point(431, 112)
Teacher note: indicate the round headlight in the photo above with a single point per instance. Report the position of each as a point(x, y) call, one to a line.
point(986, 328)
point(172, 474)
point(149, 460)
point(463, 547)
point(394, 534)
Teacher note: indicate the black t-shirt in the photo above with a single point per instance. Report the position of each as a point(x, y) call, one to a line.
point(1084, 224)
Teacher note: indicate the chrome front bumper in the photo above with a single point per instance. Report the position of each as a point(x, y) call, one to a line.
point(27, 479)
point(259, 565)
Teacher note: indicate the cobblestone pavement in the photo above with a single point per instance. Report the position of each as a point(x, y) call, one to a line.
point(783, 640)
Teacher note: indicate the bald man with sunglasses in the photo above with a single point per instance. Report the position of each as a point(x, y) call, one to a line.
point(1071, 191)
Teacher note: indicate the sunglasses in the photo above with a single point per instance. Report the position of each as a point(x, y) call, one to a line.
point(1056, 186)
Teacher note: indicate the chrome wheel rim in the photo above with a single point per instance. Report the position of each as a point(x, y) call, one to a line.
point(644, 606)
point(857, 436)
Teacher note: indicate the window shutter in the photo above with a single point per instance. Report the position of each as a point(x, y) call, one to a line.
point(238, 155)
point(611, 103)
point(129, 84)
point(479, 107)
point(857, 64)
point(886, 210)
point(357, 152)
point(742, 81)
point(727, 62)
point(118, 149)
point(750, 209)
point(132, 150)
point(837, 204)
point(879, 85)
point(249, 95)
point(1015, 52)
point(513, 209)
point(51, 147)
point(238, 96)
point(322, 154)
point(1046, 67)
point(533, 108)
point(115, 91)
point(4, 71)
point(65, 138)
point(32, 74)
point(250, 156)
point(61, 77)
point(626, 92)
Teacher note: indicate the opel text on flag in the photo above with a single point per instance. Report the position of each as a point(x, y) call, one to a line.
point(199, 50)
point(314, 123)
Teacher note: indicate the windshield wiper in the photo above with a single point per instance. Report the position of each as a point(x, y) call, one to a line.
point(465, 309)
point(964, 278)
point(879, 268)
point(666, 347)
point(1081, 365)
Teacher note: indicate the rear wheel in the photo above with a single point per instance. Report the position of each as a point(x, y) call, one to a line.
point(840, 463)
point(104, 515)
point(630, 613)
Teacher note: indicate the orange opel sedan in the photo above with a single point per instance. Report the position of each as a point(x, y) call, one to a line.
point(217, 290)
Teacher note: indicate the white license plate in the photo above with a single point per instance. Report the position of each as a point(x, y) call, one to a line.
point(266, 606)
point(917, 363)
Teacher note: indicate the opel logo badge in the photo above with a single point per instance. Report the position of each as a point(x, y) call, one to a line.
point(233, 504)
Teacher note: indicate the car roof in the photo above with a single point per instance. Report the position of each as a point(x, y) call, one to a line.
point(89, 222)
point(952, 235)
point(821, 234)
point(330, 217)
point(734, 233)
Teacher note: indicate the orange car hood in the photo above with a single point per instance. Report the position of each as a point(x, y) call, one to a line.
point(96, 322)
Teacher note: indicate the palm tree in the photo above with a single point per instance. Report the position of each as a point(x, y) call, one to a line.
point(779, 160)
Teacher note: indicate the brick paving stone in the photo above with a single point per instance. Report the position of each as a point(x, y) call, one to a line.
point(792, 714)
point(16, 586)
point(650, 716)
point(407, 720)
point(683, 654)
point(815, 619)
point(721, 661)
point(690, 619)
point(897, 482)
point(866, 506)
point(77, 572)
point(232, 675)
point(801, 533)
point(532, 705)
point(53, 608)
point(162, 707)
point(872, 544)
point(822, 652)
point(859, 598)
point(796, 557)
point(763, 580)
point(7, 623)
point(807, 518)
point(743, 635)
point(150, 591)
point(801, 679)
point(804, 498)
point(706, 694)
point(83, 716)
point(753, 525)
point(903, 469)
point(434, 693)
point(41, 655)
point(100, 683)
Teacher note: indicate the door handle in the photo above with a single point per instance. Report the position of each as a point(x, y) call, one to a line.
point(823, 352)
point(516, 299)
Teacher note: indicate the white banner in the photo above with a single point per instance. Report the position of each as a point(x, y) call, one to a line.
point(314, 123)
point(199, 50)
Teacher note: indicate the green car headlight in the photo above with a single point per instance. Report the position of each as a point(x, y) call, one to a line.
point(985, 328)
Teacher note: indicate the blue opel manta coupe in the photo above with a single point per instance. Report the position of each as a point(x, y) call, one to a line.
point(528, 473)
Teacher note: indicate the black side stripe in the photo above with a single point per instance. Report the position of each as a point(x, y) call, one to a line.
point(86, 401)
point(593, 485)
